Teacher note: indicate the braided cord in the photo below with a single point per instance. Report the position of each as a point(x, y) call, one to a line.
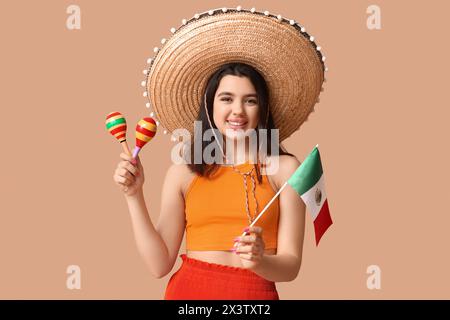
point(247, 209)
point(244, 175)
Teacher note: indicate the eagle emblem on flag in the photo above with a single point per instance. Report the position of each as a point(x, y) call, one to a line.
point(318, 196)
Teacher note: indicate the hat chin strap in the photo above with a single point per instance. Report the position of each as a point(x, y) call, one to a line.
point(214, 131)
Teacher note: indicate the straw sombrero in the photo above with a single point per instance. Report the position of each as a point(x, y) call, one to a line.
point(280, 49)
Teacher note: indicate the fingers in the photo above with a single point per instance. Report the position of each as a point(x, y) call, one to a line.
point(254, 249)
point(250, 252)
point(257, 230)
point(251, 245)
point(124, 177)
point(250, 257)
point(126, 157)
point(130, 159)
point(126, 164)
point(248, 239)
point(251, 234)
point(253, 239)
point(123, 188)
point(123, 181)
point(127, 172)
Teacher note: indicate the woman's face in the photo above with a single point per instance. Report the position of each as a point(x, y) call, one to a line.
point(236, 107)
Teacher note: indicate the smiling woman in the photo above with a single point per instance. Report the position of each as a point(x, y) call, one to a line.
point(231, 90)
point(235, 108)
point(236, 102)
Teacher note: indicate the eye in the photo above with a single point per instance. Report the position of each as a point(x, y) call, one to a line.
point(249, 101)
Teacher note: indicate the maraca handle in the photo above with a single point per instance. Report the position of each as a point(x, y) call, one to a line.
point(125, 147)
point(136, 151)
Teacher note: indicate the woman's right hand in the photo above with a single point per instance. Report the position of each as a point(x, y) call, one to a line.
point(129, 175)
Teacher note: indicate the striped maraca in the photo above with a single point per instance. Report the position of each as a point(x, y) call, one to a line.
point(117, 126)
point(145, 131)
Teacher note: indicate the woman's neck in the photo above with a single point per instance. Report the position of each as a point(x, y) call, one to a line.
point(239, 155)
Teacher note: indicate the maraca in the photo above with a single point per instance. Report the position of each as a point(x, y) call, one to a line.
point(117, 126)
point(145, 131)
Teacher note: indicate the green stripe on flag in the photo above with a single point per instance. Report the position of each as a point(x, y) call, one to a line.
point(115, 122)
point(307, 174)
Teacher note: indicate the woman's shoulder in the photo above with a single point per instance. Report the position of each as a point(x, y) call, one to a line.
point(288, 163)
point(180, 176)
point(281, 167)
point(181, 168)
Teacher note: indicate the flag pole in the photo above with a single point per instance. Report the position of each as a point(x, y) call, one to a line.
point(267, 206)
point(270, 202)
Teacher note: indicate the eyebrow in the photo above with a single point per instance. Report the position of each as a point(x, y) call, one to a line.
point(231, 94)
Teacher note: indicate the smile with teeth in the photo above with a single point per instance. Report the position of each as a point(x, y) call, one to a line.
point(236, 124)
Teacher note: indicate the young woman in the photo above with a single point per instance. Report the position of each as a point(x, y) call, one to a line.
point(216, 202)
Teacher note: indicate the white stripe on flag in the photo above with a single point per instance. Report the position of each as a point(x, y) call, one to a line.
point(309, 197)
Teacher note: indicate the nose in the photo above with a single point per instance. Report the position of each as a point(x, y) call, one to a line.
point(238, 108)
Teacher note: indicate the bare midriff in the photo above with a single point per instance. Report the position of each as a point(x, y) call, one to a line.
point(226, 257)
point(221, 257)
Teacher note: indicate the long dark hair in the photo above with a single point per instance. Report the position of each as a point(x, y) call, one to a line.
point(241, 70)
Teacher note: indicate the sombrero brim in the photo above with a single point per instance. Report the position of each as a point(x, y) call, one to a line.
point(287, 58)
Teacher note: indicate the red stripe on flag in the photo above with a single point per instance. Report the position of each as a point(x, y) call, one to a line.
point(322, 222)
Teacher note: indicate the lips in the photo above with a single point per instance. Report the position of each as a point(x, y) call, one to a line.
point(236, 124)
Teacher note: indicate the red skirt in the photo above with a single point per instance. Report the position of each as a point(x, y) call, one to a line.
point(201, 280)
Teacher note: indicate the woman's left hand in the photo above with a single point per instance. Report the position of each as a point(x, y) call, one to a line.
point(250, 248)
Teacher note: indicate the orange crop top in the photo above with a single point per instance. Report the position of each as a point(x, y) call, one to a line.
point(215, 209)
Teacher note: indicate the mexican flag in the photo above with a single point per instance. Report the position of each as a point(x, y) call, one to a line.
point(308, 181)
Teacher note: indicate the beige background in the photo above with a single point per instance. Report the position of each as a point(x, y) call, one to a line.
point(381, 125)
